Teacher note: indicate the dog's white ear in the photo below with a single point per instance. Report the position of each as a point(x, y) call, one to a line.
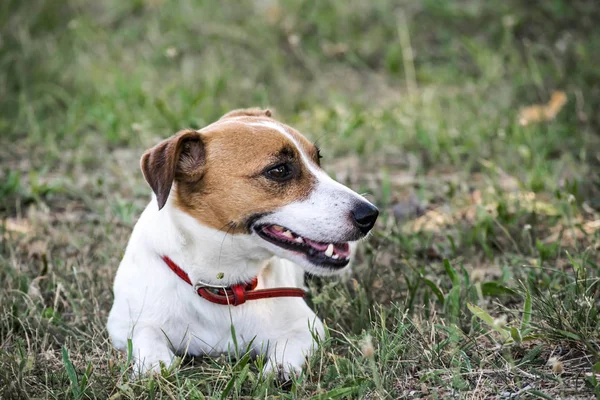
point(181, 157)
point(248, 112)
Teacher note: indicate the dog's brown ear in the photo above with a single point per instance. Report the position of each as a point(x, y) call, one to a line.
point(180, 157)
point(248, 112)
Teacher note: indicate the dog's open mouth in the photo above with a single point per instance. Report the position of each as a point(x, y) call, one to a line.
point(336, 255)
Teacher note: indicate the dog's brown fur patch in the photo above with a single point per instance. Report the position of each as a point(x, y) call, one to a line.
point(227, 187)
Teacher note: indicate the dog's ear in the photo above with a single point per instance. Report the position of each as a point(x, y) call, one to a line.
point(181, 157)
point(248, 112)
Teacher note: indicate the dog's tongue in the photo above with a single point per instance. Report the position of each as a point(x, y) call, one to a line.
point(341, 249)
point(316, 245)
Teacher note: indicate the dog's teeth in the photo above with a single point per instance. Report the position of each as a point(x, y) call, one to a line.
point(299, 240)
point(288, 234)
point(329, 251)
point(335, 256)
point(277, 228)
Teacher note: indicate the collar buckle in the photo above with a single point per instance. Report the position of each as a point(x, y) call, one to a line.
point(203, 285)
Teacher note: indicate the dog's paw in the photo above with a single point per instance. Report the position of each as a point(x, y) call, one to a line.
point(155, 364)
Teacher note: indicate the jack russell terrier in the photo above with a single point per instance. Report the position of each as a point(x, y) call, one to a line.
point(240, 210)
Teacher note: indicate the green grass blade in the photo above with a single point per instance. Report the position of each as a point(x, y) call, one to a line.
point(129, 356)
point(234, 340)
point(75, 388)
point(435, 289)
point(451, 273)
point(488, 320)
point(228, 387)
point(539, 394)
point(526, 319)
point(336, 393)
point(496, 289)
point(86, 376)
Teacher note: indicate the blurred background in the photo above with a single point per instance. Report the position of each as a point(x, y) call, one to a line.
point(473, 125)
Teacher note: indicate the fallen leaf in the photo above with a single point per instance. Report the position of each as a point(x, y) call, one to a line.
point(18, 225)
point(432, 220)
point(436, 220)
point(508, 183)
point(476, 197)
point(570, 235)
point(37, 248)
point(273, 13)
point(334, 49)
point(543, 112)
point(34, 288)
point(377, 284)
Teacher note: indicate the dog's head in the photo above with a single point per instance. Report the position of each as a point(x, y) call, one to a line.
point(248, 174)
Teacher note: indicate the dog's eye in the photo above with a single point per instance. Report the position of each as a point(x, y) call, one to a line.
point(279, 173)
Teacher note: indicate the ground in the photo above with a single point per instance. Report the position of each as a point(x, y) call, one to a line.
point(474, 125)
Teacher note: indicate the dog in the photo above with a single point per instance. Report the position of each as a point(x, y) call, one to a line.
point(239, 210)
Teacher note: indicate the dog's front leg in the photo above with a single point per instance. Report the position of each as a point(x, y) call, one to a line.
point(150, 349)
point(291, 342)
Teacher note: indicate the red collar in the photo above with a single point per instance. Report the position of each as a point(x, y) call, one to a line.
point(234, 295)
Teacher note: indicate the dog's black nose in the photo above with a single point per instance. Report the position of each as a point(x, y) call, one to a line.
point(364, 216)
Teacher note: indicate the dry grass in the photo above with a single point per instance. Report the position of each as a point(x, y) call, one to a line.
point(415, 104)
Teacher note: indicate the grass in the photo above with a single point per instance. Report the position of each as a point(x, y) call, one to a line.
point(481, 279)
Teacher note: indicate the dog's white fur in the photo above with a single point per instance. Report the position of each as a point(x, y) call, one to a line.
point(164, 316)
